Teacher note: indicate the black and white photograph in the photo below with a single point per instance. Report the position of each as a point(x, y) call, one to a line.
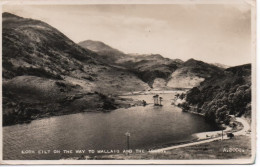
point(119, 82)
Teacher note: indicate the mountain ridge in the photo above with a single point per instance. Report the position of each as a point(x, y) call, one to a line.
point(154, 68)
point(147, 67)
point(46, 73)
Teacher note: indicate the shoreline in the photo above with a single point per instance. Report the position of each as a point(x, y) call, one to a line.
point(122, 102)
point(204, 136)
point(153, 92)
point(209, 136)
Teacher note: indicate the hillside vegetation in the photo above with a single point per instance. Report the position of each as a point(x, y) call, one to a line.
point(226, 93)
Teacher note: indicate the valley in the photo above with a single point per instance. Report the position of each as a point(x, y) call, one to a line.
point(47, 74)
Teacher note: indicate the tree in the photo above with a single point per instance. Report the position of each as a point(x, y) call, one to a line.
point(193, 96)
point(160, 100)
point(185, 106)
point(210, 117)
point(155, 98)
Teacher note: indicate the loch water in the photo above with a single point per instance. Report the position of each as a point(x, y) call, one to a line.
point(149, 126)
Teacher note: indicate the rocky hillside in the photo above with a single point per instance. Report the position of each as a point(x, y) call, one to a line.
point(227, 93)
point(150, 68)
point(45, 72)
point(191, 73)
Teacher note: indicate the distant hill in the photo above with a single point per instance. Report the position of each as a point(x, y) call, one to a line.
point(146, 67)
point(191, 73)
point(106, 54)
point(226, 93)
point(151, 67)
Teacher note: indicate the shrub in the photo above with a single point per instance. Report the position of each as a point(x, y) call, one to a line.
point(185, 106)
point(230, 135)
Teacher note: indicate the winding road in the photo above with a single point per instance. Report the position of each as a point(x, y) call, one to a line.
point(246, 128)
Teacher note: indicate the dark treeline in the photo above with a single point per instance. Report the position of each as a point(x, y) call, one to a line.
point(225, 94)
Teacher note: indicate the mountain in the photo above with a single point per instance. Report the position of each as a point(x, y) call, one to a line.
point(191, 73)
point(106, 53)
point(150, 68)
point(46, 73)
point(226, 93)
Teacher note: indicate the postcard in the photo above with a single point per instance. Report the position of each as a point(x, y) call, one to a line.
point(128, 82)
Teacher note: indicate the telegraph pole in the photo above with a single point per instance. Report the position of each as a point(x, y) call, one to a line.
point(222, 137)
point(127, 134)
point(222, 133)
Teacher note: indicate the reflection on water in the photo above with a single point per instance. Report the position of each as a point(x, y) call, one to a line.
point(149, 126)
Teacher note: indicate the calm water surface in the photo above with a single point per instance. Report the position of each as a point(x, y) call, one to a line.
point(149, 126)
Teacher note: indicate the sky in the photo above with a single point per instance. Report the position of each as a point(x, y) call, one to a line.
point(214, 33)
